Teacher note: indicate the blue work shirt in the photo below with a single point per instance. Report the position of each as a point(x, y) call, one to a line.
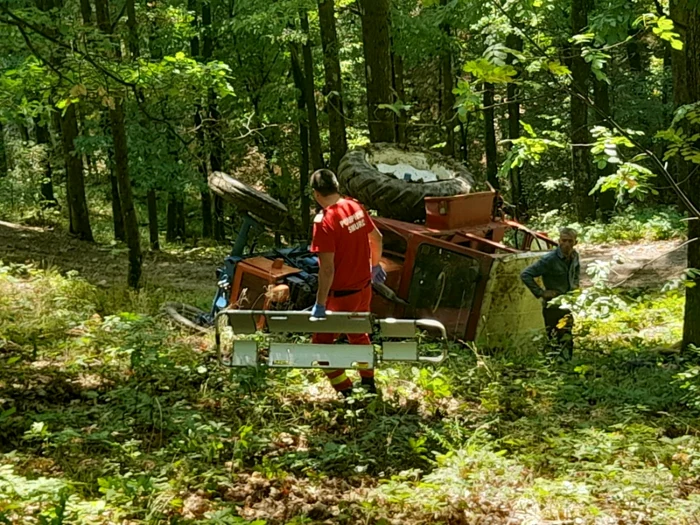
point(558, 273)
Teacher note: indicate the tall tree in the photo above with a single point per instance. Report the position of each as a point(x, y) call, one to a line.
point(79, 215)
point(43, 137)
point(151, 198)
point(580, 135)
point(3, 153)
point(121, 164)
point(214, 127)
point(310, 92)
point(515, 42)
point(490, 136)
point(448, 98)
point(378, 70)
point(116, 201)
point(75, 179)
point(400, 89)
point(606, 199)
point(304, 166)
point(686, 87)
point(333, 88)
point(205, 194)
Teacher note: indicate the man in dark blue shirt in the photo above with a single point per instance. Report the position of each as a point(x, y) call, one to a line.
point(560, 270)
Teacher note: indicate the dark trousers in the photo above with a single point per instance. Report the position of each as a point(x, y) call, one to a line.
point(559, 324)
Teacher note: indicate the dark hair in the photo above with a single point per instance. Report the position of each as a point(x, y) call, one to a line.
point(325, 182)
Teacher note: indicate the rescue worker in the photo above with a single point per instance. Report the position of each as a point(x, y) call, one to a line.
point(560, 270)
point(349, 247)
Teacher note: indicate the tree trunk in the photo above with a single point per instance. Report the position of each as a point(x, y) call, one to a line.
point(23, 132)
point(634, 53)
point(171, 222)
point(133, 37)
point(377, 51)
point(205, 195)
point(464, 136)
point(181, 229)
point(399, 87)
point(121, 156)
point(121, 168)
point(580, 136)
point(314, 135)
point(216, 165)
point(333, 89)
point(514, 42)
point(216, 156)
point(86, 11)
point(448, 98)
point(43, 137)
point(686, 76)
point(490, 136)
point(3, 153)
point(606, 199)
point(153, 220)
point(75, 181)
point(304, 167)
point(117, 215)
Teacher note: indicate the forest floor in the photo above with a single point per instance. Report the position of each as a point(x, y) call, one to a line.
point(192, 270)
point(110, 415)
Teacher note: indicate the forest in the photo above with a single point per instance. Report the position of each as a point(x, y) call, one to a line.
point(114, 117)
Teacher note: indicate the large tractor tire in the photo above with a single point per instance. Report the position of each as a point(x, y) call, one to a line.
point(394, 197)
point(261, 206)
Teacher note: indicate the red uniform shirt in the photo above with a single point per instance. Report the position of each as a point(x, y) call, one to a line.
point(343, 230)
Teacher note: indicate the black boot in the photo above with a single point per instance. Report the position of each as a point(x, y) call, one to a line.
point(346, 393)
point(369, 385)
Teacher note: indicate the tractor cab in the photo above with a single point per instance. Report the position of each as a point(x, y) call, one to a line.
point(462, 268)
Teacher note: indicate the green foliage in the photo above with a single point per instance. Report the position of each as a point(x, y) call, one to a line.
point(116, 417)
point(662, 27)
point(630, 225)
point(682, 142)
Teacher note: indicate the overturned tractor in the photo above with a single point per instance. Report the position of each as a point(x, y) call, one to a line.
point(449, 252)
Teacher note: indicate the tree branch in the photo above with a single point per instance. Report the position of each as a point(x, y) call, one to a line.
point(674, 185)
point(19, 22)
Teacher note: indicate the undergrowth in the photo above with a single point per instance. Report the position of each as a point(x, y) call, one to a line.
point(631, 225)
point(108, 415)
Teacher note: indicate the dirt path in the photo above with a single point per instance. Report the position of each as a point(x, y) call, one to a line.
point(106, 265)
point(194, 270)
point(634, 256)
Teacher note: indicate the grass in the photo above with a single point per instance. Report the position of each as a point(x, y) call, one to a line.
point(110, 416)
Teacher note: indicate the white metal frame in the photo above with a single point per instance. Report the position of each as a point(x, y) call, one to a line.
point(245, 353)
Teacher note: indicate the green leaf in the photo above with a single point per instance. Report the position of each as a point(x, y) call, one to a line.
point(557, 68)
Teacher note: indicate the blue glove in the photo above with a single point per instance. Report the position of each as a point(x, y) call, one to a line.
point(378, 274)
point(318, 311)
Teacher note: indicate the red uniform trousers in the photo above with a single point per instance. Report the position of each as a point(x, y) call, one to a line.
point(357, 302)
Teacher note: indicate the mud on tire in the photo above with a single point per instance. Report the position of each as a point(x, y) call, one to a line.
point(396, 198)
